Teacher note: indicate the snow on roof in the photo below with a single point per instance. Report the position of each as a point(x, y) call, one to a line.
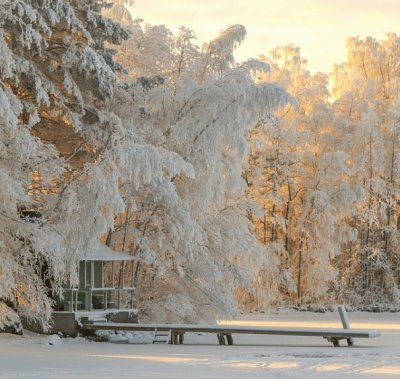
point(104, 253)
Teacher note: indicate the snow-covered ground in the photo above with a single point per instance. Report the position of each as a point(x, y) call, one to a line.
point(33, 356)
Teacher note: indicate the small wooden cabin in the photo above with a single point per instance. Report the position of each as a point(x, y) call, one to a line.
point(105, 283)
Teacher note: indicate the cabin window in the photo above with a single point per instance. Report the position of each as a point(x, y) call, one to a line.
point(118, 274)
point(128, 274)
point(88, 274)
point(98, 274)
point(108, 274)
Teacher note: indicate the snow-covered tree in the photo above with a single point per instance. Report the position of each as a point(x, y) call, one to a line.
point(200, 105)
point(366, 89)
point(297, 171)
point(142, 141)
point(55, 78)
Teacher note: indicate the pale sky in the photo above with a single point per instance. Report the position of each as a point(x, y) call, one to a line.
point(318, 27)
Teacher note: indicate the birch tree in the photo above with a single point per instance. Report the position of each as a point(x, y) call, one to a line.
point(366, 91)
point(300, 180)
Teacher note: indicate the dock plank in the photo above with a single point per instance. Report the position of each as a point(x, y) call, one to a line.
point(332, 335)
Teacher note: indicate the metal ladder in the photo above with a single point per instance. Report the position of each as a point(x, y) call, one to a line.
point(162, 336)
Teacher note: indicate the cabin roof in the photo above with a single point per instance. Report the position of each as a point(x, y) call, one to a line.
point(104, 253)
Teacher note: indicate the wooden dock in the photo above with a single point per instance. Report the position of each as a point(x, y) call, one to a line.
point(174, 333)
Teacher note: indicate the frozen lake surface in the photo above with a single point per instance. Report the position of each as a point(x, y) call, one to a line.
point(33, 356)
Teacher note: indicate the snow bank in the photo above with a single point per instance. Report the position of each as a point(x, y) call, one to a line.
point(51, 340)
point(9, 320)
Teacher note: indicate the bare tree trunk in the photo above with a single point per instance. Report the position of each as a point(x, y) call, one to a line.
point(287, 216)
point(265, 230)
point(388, 210)
point(300, 267)
point(273, 225)
point(109, 238)
point(125, 227)
point(299, 273)
point(135, 275)
point(365, 252)
point(146, 224)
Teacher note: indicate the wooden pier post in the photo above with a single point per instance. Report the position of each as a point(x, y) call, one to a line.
point(345, 322)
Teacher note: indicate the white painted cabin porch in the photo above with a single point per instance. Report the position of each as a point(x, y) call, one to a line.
point(105, 282)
